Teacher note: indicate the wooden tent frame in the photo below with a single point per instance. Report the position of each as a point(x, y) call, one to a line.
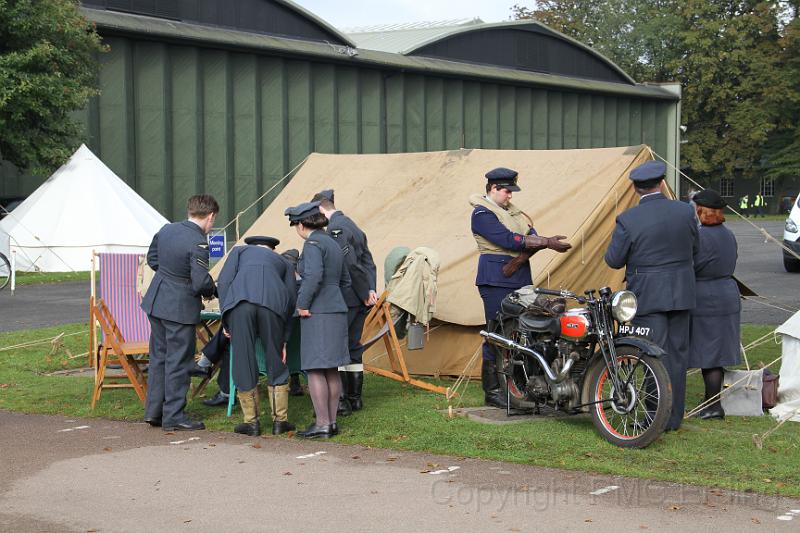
point(381, 316)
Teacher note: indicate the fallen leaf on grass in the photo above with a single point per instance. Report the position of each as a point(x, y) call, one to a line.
point(106, 449)
point(5, 385)
point(767, 480)
point(256, 445)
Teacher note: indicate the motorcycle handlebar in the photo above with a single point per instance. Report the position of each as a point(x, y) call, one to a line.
point(552, 292)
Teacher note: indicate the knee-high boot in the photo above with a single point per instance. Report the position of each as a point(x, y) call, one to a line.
point(356, 383)
point(344, 409)
point(279, 404)
point(248, 401)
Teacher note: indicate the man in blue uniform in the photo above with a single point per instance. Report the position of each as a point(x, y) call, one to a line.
point(656, 242)
point(179, 257)
point(358, 297)
point(257, 299)
point(506, 241)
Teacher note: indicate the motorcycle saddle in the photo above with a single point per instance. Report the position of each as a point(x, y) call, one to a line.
point(539, 323)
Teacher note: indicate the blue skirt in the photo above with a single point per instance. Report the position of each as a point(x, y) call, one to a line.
point(715, 341)
point(323, 341)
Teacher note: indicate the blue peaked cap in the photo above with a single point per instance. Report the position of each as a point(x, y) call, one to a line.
point(648, 171)
point(302, 211)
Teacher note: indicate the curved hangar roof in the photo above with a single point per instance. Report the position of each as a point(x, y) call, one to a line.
point(274, 17)
point(522, 45)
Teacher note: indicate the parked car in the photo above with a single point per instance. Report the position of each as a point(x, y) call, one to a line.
point(791, 238)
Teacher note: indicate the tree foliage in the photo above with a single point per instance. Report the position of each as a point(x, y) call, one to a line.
point(737, 62)
point(48, 69)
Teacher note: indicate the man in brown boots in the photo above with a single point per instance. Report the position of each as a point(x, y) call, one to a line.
point(257, 298)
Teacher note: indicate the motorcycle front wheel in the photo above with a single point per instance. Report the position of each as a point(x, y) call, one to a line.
point(637, 415)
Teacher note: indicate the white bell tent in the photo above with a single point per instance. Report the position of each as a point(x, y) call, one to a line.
point(82, 207)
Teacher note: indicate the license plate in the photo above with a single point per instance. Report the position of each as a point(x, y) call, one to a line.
point(630, 329)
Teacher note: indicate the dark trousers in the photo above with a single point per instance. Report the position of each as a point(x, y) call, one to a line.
point(492, 296)
point(248, 323)
point(172, 347)
point(355, 327)
point(670, 330)
point(218, 350)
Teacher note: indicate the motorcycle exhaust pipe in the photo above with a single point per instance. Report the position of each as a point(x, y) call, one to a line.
point(502, 342)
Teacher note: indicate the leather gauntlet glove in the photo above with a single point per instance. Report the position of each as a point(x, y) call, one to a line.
point(535, 243)
point(554, 243)
point(515, 264)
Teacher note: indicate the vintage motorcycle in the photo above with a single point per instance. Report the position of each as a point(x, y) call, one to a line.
point(582, 359)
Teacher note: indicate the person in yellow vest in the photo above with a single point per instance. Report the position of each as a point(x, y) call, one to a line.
point(759, 204)
point(506, 240)
point(744, 205)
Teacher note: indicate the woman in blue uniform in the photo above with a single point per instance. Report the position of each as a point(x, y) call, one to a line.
point(715, 329)
point(323, 316)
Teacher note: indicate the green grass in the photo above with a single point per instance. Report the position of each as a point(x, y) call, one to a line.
point(40, 278)
point(711, 453)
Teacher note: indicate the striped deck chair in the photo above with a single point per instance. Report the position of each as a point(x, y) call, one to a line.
point(125, 327)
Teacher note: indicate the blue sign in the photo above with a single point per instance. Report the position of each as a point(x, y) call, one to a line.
point(216, 246)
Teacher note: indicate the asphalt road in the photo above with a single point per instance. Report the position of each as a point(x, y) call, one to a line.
point(75, 475)
point(760, 266)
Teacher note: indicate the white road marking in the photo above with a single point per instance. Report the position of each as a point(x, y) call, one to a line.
point(184, 441)
point(445, 471)
point(604, 490)
point(310, 455)
point(72, 429)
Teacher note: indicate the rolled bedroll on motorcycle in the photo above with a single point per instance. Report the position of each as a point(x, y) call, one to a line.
point(583, 359)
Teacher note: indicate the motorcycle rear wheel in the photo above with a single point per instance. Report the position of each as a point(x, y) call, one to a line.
point(511, 377)
point(638, 417)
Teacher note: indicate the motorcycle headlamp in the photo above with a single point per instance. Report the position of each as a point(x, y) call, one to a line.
point(623, 306)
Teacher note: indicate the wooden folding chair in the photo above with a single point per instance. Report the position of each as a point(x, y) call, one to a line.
point(125, 327)
point(380, 316)
point(115, 350)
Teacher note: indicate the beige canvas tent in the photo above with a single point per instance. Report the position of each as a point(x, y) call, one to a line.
point(421, 199)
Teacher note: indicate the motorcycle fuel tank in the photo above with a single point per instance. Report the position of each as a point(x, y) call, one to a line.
point(575, 325)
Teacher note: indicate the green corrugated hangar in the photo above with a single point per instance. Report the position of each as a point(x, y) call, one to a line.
point(228, 96)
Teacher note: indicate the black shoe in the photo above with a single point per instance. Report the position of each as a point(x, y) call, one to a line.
point(295, 389)
point(356, 383)
point(252, 429)
point(217, 399)
point(344, 409)
point(493, 394)
point(154, 421)
point(282, 426)
point(334, 429)
point(189, 425)
point(315, 432)
point(711, 412)
point(200, 371)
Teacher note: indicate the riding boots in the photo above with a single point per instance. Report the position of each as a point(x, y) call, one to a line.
point(248, 401)
point(279, 405)
point(355, 384)
point(493, 394)
point(344, 409)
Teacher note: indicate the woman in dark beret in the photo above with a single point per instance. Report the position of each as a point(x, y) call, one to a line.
point(715, 321)
point(323, 316)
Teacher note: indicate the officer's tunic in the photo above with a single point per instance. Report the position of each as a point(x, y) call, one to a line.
point(257, 298)
point(323, 339)
point(715, 322)
point(656, 242)
point(179, 256)
point(361, 267)
point(500, 235)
